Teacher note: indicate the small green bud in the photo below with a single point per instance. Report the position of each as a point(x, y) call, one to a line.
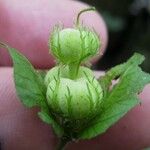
point(74, 45)
point(74, 99)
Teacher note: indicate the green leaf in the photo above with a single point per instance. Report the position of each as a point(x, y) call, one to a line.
point(115, 72)
point(49, 120)
point(30, 86)
point(123, 96)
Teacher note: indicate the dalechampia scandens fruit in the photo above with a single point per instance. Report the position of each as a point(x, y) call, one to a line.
point(71, 46)
point(68, 98)
point(72, 87)
point(74, 45)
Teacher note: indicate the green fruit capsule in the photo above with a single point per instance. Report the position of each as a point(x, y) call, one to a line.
point(74, 99)
point(74, 45)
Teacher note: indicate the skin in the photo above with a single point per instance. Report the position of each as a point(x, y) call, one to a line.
point(20, 128)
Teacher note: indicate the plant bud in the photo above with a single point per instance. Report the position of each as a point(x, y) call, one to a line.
point(74, 45)
point(74, 99)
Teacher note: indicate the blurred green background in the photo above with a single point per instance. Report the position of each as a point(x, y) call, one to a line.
point(128, 23)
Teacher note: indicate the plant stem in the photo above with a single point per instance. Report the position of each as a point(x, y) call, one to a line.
point(73, 70)
point(82, 11)
point(63, 142)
